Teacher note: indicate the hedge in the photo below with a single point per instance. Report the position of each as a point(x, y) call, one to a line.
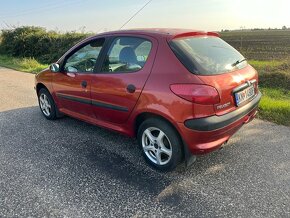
point(45, 46)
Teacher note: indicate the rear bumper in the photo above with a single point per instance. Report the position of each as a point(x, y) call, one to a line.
point(206, 134)
point(216, 122)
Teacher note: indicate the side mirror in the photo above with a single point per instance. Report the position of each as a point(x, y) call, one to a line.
point(54, 68)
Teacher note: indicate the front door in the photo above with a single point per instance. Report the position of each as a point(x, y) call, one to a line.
point(72, 86)
point(115, 89)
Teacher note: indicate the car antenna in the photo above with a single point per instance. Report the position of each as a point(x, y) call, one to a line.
point(135, 14)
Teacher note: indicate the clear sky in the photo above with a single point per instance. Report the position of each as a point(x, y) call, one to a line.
point(104, 15)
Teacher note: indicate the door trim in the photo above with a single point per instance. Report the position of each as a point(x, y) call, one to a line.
point(109, 106)
point(94, 103)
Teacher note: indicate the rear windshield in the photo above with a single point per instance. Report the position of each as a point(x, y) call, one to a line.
point(207, 55)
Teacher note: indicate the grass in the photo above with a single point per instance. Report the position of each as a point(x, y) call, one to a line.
point(274, 82)
point(29, 65)
point(275, 106)
point(270, 64)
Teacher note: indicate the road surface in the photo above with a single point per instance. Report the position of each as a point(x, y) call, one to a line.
point(73, 169)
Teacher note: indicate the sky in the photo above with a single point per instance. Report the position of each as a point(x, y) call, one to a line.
point(105, 15)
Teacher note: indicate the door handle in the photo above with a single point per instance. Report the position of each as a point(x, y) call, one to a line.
point(131, 88)
point(84, 84)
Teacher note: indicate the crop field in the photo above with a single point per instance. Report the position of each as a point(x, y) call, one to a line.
point(260, 44)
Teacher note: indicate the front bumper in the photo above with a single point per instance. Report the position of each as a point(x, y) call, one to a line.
point(206, 134)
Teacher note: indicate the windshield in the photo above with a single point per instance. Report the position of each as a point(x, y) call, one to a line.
point(207, 55)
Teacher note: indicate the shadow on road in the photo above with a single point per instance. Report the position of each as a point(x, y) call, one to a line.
point(76, 167)
point(86, 146)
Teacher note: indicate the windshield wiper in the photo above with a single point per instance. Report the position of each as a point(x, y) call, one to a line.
point(238, 62)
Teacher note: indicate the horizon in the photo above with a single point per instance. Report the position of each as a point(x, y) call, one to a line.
point(86, 15)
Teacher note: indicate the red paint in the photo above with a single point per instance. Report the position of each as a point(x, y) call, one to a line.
point(70, 84)
point(153, 94)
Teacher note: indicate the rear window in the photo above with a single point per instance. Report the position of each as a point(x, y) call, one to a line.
point(207, 55)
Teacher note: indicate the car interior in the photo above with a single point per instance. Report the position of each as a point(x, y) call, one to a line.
point(126, 54)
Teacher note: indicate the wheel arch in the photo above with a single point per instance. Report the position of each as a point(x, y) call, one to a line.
point(147, 115)
point(40, 86)
point(140, 118)
point(187, 156)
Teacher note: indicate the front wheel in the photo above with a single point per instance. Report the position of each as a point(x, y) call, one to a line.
point(160, 144)
point(46, 104)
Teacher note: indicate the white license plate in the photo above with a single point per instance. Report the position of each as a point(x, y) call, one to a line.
point(244, 95)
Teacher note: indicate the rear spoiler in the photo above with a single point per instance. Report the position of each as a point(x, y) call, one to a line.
point(197, 33)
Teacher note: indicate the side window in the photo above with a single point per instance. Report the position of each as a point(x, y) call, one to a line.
point(84, 59)
point(143, 50)
point(127, 54)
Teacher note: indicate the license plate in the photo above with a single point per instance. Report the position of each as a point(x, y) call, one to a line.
point(244, 95)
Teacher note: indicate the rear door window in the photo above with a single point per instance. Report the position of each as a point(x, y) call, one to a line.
point(127, 54)
point(207, 55)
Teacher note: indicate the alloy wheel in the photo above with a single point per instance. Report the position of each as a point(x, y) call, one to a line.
point(156, 145)
point(45, 104)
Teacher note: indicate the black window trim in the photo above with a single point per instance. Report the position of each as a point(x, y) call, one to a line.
point(188, 63)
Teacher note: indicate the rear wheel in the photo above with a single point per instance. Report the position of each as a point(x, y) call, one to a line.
point(160, 144)
point(46, 104)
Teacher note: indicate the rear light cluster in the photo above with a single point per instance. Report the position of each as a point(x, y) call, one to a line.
point(200, 94)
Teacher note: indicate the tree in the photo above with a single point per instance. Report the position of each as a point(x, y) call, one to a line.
point(284, 28)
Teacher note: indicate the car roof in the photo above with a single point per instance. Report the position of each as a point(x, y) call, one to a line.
point(169, 33)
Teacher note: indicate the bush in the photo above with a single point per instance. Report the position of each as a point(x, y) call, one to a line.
point(36, 42)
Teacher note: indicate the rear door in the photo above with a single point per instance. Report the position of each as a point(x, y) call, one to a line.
point(72, 86)
point(122, 75)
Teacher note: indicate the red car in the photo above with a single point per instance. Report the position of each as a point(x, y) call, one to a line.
point(181, 93)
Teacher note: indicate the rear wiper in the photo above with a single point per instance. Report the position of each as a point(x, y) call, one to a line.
point(238, 62)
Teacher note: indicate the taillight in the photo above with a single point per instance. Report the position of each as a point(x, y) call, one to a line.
point(200, 94)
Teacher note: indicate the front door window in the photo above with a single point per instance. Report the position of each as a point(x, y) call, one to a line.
point(84, 60)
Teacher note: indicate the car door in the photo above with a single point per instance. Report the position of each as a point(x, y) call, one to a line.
point(72, 86)
point(126, 65)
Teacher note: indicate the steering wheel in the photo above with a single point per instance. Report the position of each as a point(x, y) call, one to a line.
point(90, 64)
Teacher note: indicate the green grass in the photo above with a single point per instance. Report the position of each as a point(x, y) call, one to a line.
point(29, 65)
point(275, 105)
point(274, 82)
point(270, 64)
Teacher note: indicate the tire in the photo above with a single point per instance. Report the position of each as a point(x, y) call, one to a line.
point(160, 144)
point(46, 104)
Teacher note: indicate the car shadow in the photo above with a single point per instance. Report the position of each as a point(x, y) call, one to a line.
point(68, 154)
point(92, 147)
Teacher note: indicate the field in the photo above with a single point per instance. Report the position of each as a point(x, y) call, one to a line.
point(261, 44)
point(267, 50)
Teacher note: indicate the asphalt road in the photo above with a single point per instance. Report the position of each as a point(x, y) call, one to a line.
point(67, 168)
